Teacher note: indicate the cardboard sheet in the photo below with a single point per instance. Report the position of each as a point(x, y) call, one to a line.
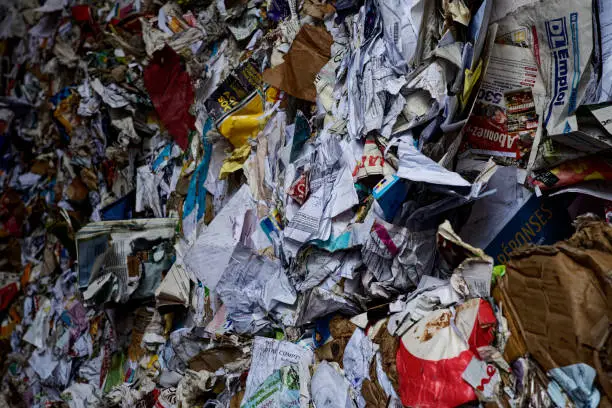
point(310, 50)
point(558, 298)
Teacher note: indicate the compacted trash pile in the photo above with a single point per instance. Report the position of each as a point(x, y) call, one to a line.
point(305, 203)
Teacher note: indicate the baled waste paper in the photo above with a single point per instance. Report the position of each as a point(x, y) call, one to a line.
point(314, 203)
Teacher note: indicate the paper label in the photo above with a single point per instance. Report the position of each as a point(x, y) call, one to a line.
point(483, 377)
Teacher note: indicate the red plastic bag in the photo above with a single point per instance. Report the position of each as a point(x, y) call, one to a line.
point(433, 354)
point(169, 87)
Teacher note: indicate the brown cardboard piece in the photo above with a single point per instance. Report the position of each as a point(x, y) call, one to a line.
point(317, 9)
point(373, 393)
point(341, 330)
point(215, 358)
point(388, 349)
point(558, 300)
point(372, 390)
point(77, 190)
point(237, 399)
point(310, 50)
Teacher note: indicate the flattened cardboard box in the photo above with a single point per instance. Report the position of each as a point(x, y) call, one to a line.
point(558, 300)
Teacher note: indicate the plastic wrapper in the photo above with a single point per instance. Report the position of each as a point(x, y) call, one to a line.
point(573, 172)
point(435, 352)
point(237, 105)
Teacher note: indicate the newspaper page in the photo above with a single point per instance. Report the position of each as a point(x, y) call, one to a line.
point(309, 221)
point(333, 193)
point(399, 29)
point(504, 121)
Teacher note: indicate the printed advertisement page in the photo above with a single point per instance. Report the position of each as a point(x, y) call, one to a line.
point(505, 117)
